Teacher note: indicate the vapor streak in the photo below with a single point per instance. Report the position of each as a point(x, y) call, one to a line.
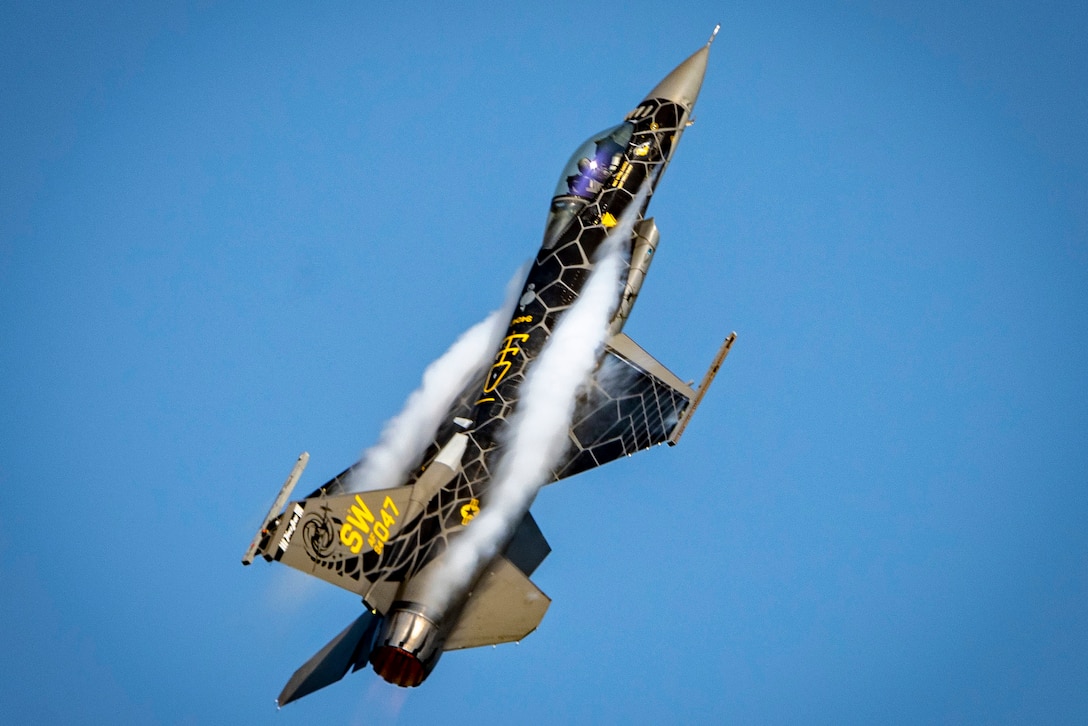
point(537, 435)
point(406, 436)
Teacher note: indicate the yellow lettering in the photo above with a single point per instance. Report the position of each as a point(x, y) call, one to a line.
point(360, 515)
point(351, 538)
point(375, 544)
point(361, 523)
point(502, 366)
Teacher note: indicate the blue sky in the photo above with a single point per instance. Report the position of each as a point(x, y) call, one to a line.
point(229, 233)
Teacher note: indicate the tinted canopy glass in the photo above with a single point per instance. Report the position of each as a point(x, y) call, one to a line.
point(589, 168)
point(594, 162)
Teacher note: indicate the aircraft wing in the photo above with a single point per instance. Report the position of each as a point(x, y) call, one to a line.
point(633, 403)
point(462, 407)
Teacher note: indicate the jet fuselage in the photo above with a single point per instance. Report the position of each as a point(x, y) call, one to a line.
point(613, 181)
point(395, 546)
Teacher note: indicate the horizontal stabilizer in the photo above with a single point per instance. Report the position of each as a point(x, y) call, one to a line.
point(505, 606)
point(331, 663)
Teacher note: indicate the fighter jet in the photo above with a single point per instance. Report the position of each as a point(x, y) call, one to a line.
point(390, 546)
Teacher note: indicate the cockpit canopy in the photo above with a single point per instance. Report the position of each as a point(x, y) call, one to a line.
point(594, 161)
point(584, 175)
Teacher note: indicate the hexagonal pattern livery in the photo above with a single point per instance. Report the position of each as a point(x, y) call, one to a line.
point(627, 409)
point(379, 544)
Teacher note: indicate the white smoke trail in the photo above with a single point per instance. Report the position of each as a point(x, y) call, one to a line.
point(538, 429)
point(406, 436)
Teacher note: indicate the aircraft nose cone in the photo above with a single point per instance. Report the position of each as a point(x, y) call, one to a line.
point(683, 84)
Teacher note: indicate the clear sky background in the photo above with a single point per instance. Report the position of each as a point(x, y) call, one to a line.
point(229, 233)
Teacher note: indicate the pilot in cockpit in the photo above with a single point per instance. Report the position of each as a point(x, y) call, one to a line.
point(584, 175)
point(593, 172)
point(589, 179)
